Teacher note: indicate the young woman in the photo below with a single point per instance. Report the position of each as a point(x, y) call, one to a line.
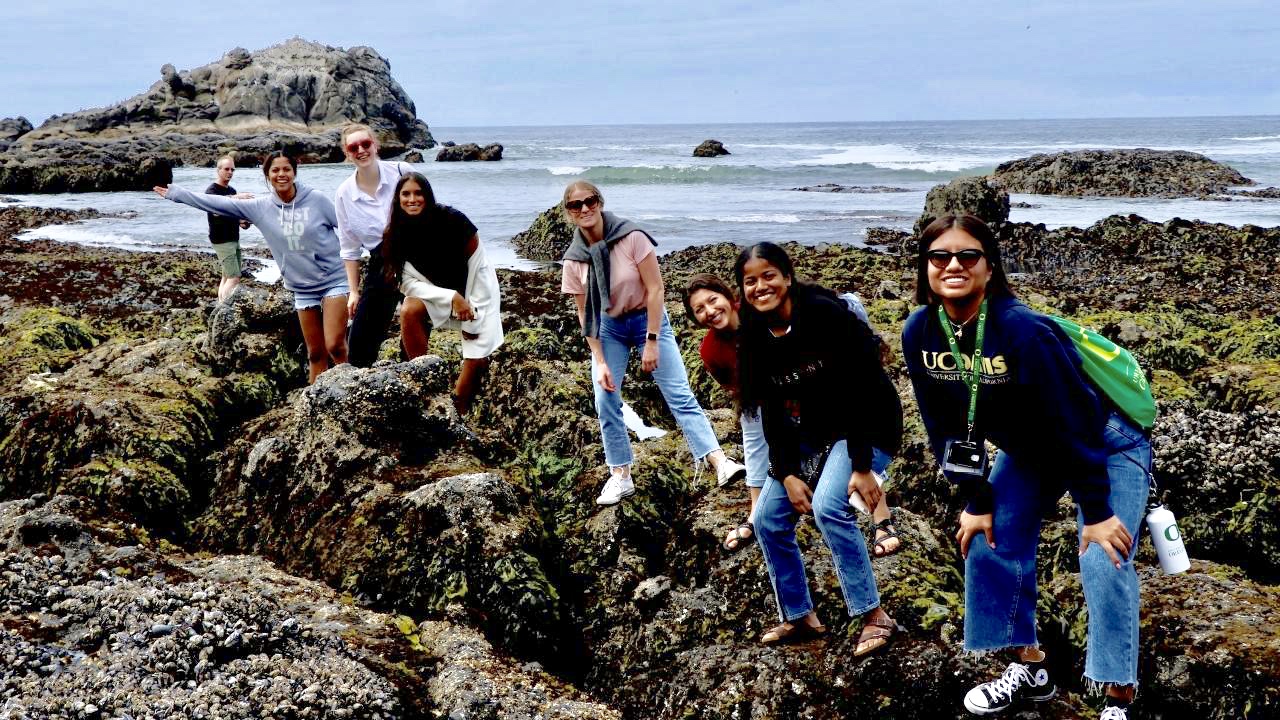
point(1054, 430)
point(298, 224)
point(612, 272)
point(433, 253)
point(363, 203)
point(811, 369)
point(714, 306)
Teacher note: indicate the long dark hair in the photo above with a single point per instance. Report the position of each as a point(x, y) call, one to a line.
point(266, 163)
point(706, 281)
point(401, 227)
point(973, 225)
point(752, 324)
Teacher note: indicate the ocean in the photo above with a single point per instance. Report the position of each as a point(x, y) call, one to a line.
point(647, 173)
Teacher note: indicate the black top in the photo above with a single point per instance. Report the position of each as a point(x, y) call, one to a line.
point(1034, 403)
point(222, 229)
point(821, 383)
point(436, 246)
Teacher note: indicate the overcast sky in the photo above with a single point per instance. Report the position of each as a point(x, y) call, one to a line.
point(553, 62)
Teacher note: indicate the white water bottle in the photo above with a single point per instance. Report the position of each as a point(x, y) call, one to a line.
point(1168, 540)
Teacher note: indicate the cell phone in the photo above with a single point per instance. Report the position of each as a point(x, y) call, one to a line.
point(965, 457)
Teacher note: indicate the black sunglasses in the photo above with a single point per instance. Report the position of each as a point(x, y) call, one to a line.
point(941, 258)
point(588, 202)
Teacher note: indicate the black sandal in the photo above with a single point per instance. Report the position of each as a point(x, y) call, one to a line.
point(885, 526)
point(737, 538)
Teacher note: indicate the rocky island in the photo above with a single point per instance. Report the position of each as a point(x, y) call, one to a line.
point(297, 94)
point(187, 531)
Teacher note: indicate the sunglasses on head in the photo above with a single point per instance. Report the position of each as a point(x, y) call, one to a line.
point(941, 258)
point(359, 145)
point(588, 202)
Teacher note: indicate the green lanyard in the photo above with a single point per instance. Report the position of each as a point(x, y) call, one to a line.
point(975, 379)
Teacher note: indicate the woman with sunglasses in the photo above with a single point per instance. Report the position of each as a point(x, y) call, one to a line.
point(810, 369)
point(433, 254)
point(363, 203)
point(612, 272)
point(986, 368)
point(714, 305)
point(298, 224)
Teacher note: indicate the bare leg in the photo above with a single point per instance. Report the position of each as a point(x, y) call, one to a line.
point(415, 328)
point(229, 286)
point(741, 534)
point(468, 382)
point(335, 328)
point(313, 336)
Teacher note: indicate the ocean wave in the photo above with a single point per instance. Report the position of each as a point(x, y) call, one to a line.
point(81, 235)
point(773, 218)
point(898, 157)
point(566, 170)
point(1254, 138)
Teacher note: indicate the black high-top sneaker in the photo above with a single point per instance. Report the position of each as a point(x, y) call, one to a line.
point(1020, 681)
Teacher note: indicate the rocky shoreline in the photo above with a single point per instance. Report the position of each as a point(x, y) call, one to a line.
point(295, 95)
point(170, 482)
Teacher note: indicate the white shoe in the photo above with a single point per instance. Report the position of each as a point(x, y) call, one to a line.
point(1020, 681)
point(728, 471)
point(618, 486)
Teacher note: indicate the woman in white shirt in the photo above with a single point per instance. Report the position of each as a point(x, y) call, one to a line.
point(434, 253)
point(363, 205)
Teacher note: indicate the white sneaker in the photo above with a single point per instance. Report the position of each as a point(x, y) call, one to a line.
point(617, 487)
point(728, 471)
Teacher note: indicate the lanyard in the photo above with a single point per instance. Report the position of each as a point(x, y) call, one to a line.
point(975, 378)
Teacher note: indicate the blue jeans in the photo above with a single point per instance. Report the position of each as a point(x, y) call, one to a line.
point(837, 521)
point(755, 450)
point(617, 337)
point(1000, 584)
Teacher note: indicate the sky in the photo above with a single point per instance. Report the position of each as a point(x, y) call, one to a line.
point(553, 62)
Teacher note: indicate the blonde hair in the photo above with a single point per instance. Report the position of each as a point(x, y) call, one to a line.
point(354, 128)
point(575, 185)
point(228, 156)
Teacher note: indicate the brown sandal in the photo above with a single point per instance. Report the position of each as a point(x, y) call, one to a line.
point(799, 631)
point(875, 630)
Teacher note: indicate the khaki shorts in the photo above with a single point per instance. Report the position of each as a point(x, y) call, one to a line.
point(229, 258)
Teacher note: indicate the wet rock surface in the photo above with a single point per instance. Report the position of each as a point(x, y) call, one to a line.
point(509, 592)
point(469, 152)
point(296, 94)
point(1118, 173)
point(547, 238)
point(857, 189)
point(710, 148)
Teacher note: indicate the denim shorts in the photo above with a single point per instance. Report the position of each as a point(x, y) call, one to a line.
point(305, 300)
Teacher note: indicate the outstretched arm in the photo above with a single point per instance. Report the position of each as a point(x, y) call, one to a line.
point(230, 207)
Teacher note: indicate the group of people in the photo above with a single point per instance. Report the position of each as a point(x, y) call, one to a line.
point(821, 420)
point(424, 256)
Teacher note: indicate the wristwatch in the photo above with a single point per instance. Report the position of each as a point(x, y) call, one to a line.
point(651, 336)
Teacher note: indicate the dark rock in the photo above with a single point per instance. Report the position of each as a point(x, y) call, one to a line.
point(886, 237)
point(547, 238)
point(834, 188)
point(413, 156)
point(13, 128)
point(710, 148)
point(296, 94)
point(469, 152)
point(972, 195)
point(1271, 193)
point(1118, 173)
point(448, 143)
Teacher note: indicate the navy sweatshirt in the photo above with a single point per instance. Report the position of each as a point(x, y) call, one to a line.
point(822, 383)
point(1035, 402)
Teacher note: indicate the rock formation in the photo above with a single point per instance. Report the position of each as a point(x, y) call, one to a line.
point(1118, 173)
point(469, 152)
point(710, 148)
point(547, 238)
point(858, 189)
point(295, 95)
point(506, 591)
point(973, 195)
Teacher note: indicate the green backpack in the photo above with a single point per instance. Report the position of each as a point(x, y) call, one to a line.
point(1114, 371)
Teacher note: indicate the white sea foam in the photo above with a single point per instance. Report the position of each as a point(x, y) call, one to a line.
point(86, 236)
point(898, 157)
point(566, 170)
point(1252, 138)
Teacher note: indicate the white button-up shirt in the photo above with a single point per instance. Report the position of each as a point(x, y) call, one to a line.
point(361, 217)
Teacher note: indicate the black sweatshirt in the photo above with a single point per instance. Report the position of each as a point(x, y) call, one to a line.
point(222, 229)
point(1035, 402)
point(822, 383)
